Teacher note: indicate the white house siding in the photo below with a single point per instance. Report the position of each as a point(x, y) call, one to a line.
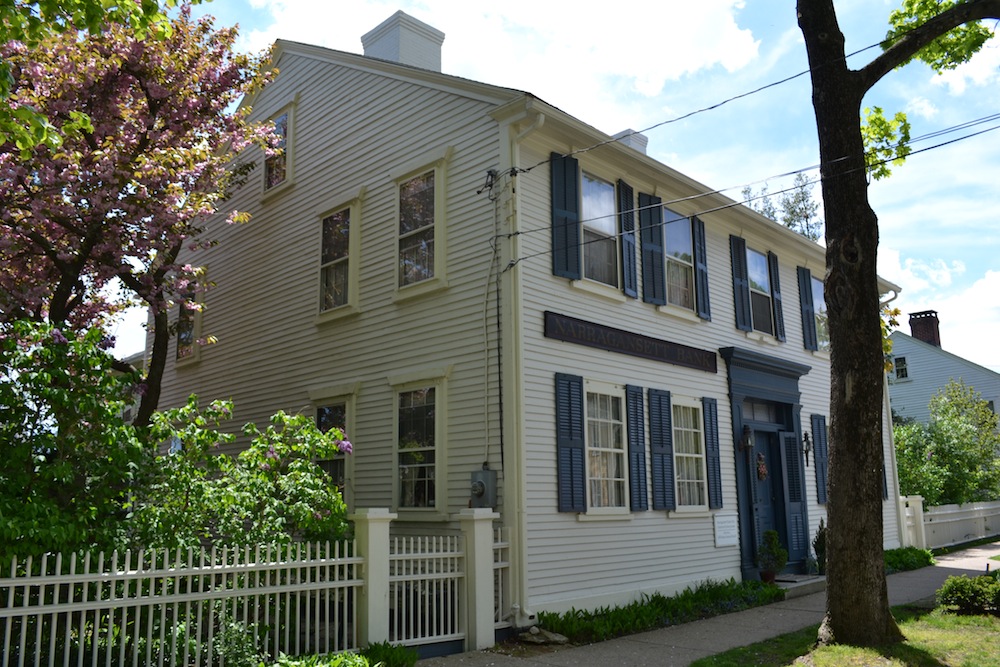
point(353, 129)
point(573, 562)
point(929, 370)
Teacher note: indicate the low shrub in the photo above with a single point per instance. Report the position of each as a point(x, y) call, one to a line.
point(906, 559)
point(975, 595)
point(333, 660)
point(707, 599)
point(390, 655)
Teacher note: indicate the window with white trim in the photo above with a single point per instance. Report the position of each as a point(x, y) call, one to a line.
point(335, 260)
point(417, 217)
point(819, 312)
point(416, 446)
point(188, 324)
point(607, 464)
point(761, 308)
point(328, 416)
point(600, 230)
point(678, 246)
point(276, 166)
point(689, 454)
point(902, 371)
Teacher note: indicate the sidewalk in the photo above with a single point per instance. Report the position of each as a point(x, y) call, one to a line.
point(681, 644)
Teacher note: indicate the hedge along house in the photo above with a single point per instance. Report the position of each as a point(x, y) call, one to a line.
point(507, 307)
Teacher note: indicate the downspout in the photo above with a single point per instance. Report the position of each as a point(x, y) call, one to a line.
point(514, 386)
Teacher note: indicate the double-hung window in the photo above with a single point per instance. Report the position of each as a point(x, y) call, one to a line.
point(756, 290)
point(593, 230)
point(276, 166)
point(815, 326)
point(689, 455)
point(328, 416)
point(902, 370)
point(607, 469)
point(188, 323)
point(416, 428)
point(678, 249)
point(335, 260)
point(600, 230)
point(417, 211)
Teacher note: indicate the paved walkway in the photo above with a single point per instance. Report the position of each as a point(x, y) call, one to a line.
point(682, 644)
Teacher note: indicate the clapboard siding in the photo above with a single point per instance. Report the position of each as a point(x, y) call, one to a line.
point(929, 369)
point(353, 129)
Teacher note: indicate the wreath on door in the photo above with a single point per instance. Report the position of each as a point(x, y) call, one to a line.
point(761, 467)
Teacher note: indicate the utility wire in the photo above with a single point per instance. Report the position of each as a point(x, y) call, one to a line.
point(518, 260)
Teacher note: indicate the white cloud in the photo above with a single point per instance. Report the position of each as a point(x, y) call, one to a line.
point(918, 278)
point(982, 70)
point(922, 107)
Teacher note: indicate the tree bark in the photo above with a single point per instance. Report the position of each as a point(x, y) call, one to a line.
point(857, 610)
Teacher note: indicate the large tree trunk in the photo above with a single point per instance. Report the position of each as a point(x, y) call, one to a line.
point(857, 598)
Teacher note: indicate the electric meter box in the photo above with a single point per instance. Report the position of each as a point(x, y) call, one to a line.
point(484, 488)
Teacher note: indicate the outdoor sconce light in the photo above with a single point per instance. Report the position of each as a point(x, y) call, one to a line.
point(746, 442)
point(807, 446)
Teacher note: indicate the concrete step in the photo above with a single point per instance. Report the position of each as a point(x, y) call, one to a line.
point(797, 585)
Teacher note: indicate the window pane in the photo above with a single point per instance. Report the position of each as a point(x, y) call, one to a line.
point(600, 258)
point(334, 285)
point(819, 308)
point(416, 257)
point(416, 203)
point(274, 166)
point(689, 455)
point(185, 326)
point(760, 309)
point(336, 236)
point(757, 269)
point(327, 417)
point(677, 237)
point(680, 284)
point(598, 205)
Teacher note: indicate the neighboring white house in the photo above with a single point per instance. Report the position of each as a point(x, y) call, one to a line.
point(921, 368)
point(467, 277)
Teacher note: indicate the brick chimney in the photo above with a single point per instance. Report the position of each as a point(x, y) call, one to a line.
point(405, 40)
point(924, 326)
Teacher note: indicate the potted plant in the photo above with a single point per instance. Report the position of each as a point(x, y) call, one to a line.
point(771, 556)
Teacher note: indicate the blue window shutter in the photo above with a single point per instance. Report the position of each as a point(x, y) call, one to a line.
point(661, 450)
point(798, 538)
point(570, 444)
point(779, 317)
point(565, 216)
point(700, 269)
point(626, 212)
point(654, 281)
point(809, 338)
point(713, 455)
point(638, 497)
point(741, 282)
point(821, 454)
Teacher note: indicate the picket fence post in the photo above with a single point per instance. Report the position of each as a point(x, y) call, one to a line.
point(371, 532)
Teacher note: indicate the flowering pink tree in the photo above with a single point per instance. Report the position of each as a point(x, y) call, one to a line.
point(97, 224)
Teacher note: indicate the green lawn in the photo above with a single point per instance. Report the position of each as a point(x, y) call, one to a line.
point(933, 639)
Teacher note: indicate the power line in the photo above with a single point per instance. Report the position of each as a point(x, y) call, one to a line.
point(518, 260)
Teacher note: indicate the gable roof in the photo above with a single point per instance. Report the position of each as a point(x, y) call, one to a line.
point(934, 349)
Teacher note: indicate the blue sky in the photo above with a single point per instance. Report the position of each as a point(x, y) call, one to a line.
point(644, 63)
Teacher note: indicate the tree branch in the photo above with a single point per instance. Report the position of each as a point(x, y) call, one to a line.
point(909, 44)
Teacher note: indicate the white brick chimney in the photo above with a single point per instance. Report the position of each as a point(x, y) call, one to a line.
point(403, 39)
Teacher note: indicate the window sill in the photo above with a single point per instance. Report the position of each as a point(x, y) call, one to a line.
point(191, 360)
point(762, 337)
point(417, 290)
point(616, 515)
point(692, 513)
point(599, 289)
point(338, 313)
point(272, 192)
point(679, 313)
point(821, 354)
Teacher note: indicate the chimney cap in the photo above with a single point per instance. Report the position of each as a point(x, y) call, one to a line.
point(925, 326)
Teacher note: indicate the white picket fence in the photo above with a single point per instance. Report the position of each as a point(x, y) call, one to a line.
point(947, 525)
point(191, 607)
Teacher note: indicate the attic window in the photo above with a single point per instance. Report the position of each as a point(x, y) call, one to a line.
point(902, 372)
point(276, 166)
